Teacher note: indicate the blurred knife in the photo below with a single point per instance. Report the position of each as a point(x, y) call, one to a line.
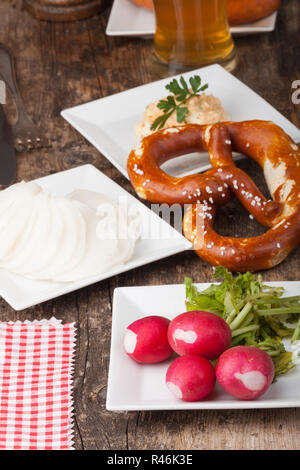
point(7, 152)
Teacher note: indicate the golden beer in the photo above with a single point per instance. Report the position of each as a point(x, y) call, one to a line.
point(191, 34)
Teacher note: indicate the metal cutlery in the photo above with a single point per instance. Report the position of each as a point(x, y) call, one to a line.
point(7, 152)
point(26, 134)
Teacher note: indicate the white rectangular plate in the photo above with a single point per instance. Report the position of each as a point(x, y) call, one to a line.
point(127, 19)
point(22, 293)
point(109, 123)
point(133, 386)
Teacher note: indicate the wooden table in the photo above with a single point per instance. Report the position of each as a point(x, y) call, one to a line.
point(61, 65)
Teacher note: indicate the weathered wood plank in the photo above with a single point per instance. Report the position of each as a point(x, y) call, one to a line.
point(60, 65)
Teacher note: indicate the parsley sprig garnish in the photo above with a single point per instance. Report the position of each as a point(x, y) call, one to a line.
point(174, 103)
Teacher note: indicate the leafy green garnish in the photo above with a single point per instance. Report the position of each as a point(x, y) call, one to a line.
point(182, 94)
point(253, 311)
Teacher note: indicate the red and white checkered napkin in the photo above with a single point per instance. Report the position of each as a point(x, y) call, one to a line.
point(36, 367)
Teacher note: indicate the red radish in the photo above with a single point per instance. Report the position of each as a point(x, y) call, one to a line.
point(190, 378)
point(245, 372)
point(198, 332)
point(146, 340)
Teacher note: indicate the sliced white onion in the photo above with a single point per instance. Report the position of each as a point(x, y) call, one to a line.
point(17, 257)
point(98, 256)
point(28, 259)
point(72, 246)
point(57, 238)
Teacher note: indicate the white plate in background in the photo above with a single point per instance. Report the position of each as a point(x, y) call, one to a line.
point(22, 293)
point(133, 386)
point(127, 19)
point(109, 123)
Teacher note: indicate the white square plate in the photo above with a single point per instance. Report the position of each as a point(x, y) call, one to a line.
point(133, 386)
point(22, 293)
point(127, 19)
point(109, 123)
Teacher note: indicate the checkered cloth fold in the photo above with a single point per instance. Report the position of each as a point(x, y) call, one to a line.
point(36, 368)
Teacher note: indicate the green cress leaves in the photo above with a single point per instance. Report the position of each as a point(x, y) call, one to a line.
point(174, 103)
point(253, 311)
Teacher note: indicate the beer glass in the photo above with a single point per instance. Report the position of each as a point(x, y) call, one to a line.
point(191, 34)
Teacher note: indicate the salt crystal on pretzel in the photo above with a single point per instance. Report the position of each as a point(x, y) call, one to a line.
point(262, 141)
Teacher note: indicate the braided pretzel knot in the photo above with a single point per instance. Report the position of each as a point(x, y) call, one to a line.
point(262, 141)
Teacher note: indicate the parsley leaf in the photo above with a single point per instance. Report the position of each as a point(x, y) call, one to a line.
point(161, 120)
point(181, 113)
point(195, 83)
point(180, 95)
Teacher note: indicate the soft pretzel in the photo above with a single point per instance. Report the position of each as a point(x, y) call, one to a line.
point(262, 141)
point(238, 11)
point(144, 3)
